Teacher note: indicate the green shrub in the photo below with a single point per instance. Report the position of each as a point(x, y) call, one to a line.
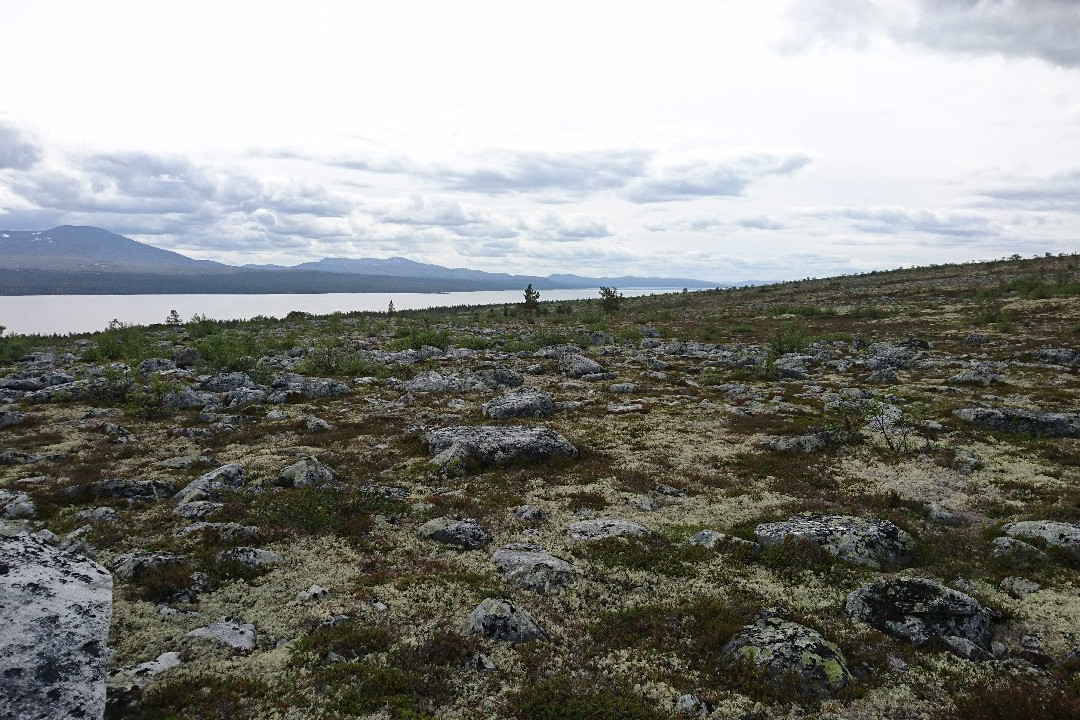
point(564, 698)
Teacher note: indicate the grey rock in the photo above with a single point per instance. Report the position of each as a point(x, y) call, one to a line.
point(1058, 356)
point(531, 566)
point(497, 445)
point(310, 387)
point(140, 490)
point(1027, 422)
point(131, 565)
point(197, 509)
point(15, 505)
point(1015, 550)
point(714, 539)
point(780, 649)
point(874, 543)
point(884, 376)
point(225, 382)
point(811, 442)
point(978, 375)
point(526, 402)
point(500, 377)
point(607, 527)
point(576, 366)
point(557, 351)
point(156, 365)
point(500, 619)
point(643, 502)
point(186, 357)
point(943, 515)
point(238, 636)
point(431, 381)
point(9, 418)
point(307, 472)
point(691, 706)
point(212, 484)
point(1065, 536)
point(1019, 587)
point(530, 513)
point(917, 609)
point(241, 398)
point(975, 339)
point(229, 532)
point(312, 424)
point(464, 533)
point(625, 408)
point(252, 557)
point(187, 462)
point(622, 388)
point(670, 491)
point(98, 515)
point(55, 611)
point(482, 663)
point(187, 398)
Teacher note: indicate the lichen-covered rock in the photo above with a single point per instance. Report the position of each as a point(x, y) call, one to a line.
point(1063, 535)
point(252, 557)
point(917, 609)
point(228, 632)
point(139, 490)
point(98, 515)
point(607, 527)
point(1058, 356)
point(310, 387)
point(574, 365)
point(10, 418)
point(55, 610)
point(229, 532)
point(465, 533)
point(431, 381)
point(500, 377)
point(156, 365)
point(530, 514)
point(307, 472)
point(874, 543)
point(501, 619)
point(978, 375)
point(811, 442)
point(715, 540)
point(210, 485)
point(15, 505)
point(130, 565)
point(225, 382)
point(781, 649)
point(1025, 422)
point(527, 402)
point(497, 445)
point(532, 566)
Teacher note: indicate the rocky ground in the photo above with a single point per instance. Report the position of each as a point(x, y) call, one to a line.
point(845, 498)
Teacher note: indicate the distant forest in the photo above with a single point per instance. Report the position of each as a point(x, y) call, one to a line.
point(49, 282)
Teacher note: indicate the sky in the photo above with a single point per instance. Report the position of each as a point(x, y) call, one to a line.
point(727, 140)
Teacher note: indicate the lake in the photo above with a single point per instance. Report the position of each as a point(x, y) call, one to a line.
point(62, 314)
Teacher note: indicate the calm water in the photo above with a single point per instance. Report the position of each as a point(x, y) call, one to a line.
point(48, 314)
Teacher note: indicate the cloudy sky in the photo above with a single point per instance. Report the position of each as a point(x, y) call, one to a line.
point(726, 140)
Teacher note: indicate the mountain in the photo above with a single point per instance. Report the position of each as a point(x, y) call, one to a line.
point(81, 248)
point(72, 259)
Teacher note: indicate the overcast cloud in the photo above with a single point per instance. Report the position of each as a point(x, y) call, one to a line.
point(728, 141)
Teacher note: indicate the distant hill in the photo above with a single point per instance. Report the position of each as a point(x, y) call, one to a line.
point(76, 248)
point(72, 259)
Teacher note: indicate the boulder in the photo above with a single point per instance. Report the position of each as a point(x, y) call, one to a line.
point(497, 445)
point(130, 565)
point(500, 619)
point(464, 533)
point(1022, 422)
point(228, 532)
point(533, 567)
point(310, 387)
point(530, 514)
point(142, 490)
point(225, 382)
point(874, 543)
point(527, 402)
point(917, 609)
point(811, 442)
point(15, 505)
point(1058, 356)
point(252, 557)
point(197, 509)
point(1063, 535)
point(55, 610)
point(306, 472)
point(500, 377)
point(978, 375)
point(98, 515)
point(780, 650)
point(431, 381)
point(10, 418)
point(156, 365)
point(228, 632)
point(313, 424)
point(212, 484)
point(603, 528)
point(574, 365)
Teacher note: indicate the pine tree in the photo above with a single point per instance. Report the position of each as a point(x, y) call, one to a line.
point(532, 300)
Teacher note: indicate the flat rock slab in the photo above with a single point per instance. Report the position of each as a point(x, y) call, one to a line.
point(54, 625)
point(873, 543)
point(238, 636)
point(500, 619)
point(531, 566)
point(603, 528)
point(918, 609)
point(1055, 534)
point(464, 533)
point(781, 649)
point(1022, 422)
point(527, 402)
point(497, 445)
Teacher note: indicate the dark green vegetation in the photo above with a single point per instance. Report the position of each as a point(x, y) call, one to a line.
point(834, 397)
